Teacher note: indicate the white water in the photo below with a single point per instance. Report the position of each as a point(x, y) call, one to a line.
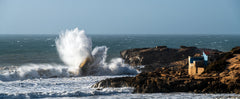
point(75, 87)
point(61, 81)
point(57, 87)
point(73, 47)
point(31, 71)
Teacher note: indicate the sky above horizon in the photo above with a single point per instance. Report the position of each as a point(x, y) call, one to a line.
point(120, 16)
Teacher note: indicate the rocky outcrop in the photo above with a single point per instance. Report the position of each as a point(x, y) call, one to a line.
point(160, 56)
point(170, 79)
point(166, 80)
point(236, 50)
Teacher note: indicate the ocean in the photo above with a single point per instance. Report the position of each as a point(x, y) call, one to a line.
point(36, 48)
point(47, 65)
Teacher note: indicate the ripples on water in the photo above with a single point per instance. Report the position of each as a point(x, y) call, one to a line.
point(20, 49)
point(17, 50)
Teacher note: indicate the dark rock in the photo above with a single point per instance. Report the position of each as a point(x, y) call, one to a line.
point(161, 47)
point(236, 50)
point(222, 74)
point(153, 82)
point(114, 82)
point(220, 64)
point(160, 56)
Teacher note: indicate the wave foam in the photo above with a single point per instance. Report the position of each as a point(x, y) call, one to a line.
point(31, 71)
point(73, 47)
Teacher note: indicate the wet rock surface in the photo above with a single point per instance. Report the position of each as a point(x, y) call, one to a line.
point(176, 78)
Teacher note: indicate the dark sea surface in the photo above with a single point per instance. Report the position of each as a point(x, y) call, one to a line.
point(23, 49)
point(31, 68)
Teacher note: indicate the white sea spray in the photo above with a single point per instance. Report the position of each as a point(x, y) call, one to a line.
point(73, 47)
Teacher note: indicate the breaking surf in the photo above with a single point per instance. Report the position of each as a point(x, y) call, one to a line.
point(75, 50)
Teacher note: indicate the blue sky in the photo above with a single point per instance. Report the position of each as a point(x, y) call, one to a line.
point(120, 16)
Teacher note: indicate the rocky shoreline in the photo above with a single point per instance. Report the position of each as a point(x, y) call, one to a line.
point(161, 56)
point(166, 70)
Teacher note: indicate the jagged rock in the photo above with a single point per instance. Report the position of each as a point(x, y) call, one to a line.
point(220, 63)
point(158, 81)
point(172, 79)
point(160, 56)
point(236, 50)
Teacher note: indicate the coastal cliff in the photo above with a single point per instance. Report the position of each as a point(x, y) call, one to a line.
point(222, 75)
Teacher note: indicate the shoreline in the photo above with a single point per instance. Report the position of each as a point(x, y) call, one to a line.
point(173, 76)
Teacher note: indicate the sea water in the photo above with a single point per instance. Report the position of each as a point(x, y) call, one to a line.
point(47, 66)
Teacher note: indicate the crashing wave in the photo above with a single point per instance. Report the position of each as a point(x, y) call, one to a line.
point(75, 50)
